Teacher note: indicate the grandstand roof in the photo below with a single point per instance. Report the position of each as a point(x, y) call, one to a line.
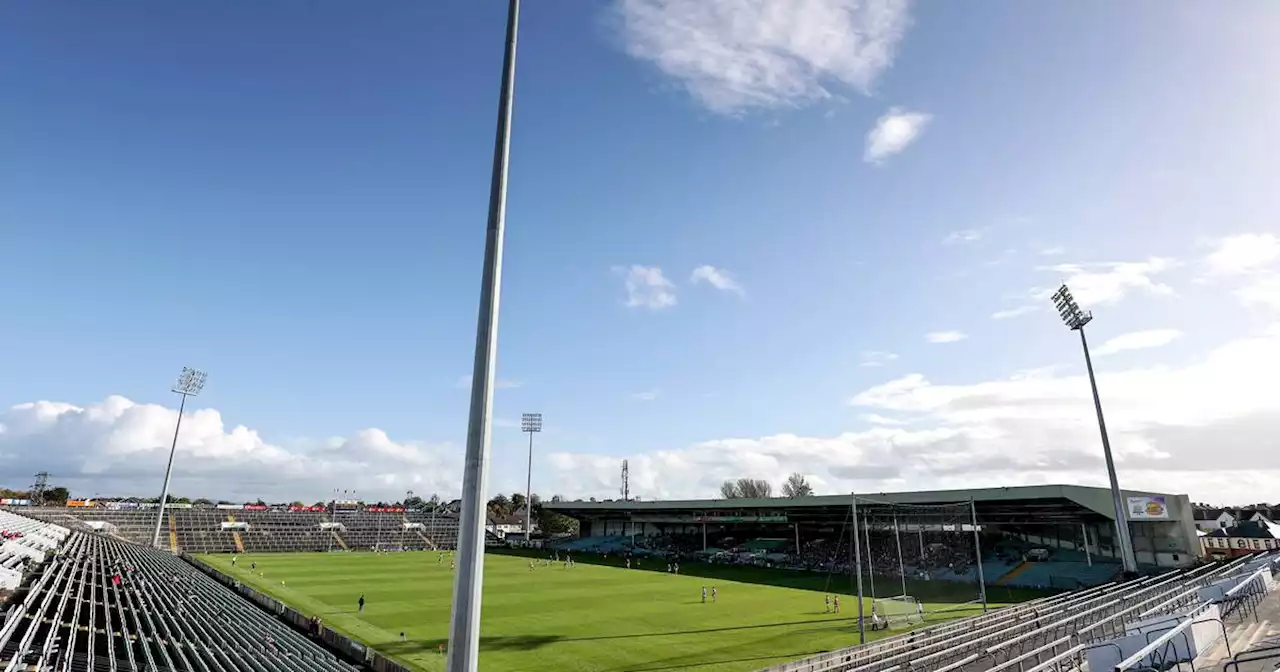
point(1022, 504)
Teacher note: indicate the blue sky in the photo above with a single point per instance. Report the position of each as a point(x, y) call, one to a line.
point(293, 197)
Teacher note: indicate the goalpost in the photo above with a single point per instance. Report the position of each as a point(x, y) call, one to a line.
point(896, 612)
point(911, 560)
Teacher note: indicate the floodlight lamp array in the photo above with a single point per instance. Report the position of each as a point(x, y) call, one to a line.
point(1069, 310)
point(190, 381)
point(531, 422)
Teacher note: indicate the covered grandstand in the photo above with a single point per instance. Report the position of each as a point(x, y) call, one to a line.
point(1035, 536)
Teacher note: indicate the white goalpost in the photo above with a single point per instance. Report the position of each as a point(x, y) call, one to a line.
point(896, 612)
point(901, 550)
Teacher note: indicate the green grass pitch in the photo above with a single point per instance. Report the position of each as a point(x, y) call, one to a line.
point(593, 617)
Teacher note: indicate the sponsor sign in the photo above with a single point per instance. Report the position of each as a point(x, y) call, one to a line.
point(384, 509)
point(177, 505)
point(230, 507)
point(308, 509)
point(1147, 508)
point(8, 501)
point(80, 503)
point(255, 507)
point(121, 506)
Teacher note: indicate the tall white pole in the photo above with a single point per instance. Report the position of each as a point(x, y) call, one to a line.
point(1117, 499)
point(168, 472)
point(1076, 320)
point(190, 382)
point(464, 625)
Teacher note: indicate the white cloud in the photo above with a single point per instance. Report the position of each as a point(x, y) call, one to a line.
point(1032, 428)
point(1052, 251)
point(734, 56)
point(1013, 312)
point(120, 447)
point(1244, 253)
point(1262, 291)
point(1103, 283)
point(647, 287)
point(873, 358)
point(649, 395)
point(892, 133)
point(965, 236)
point(464, 383)
point(1138, 340)
point(945, 336)
point(876, 419)
point(718, 278)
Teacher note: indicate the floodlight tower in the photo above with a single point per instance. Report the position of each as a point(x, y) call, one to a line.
point(189, 384)
point(531, 423)
point(1075, 320)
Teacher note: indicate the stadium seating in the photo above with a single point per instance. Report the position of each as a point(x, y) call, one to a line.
point(26, 542)
point(1055, 574)
point(1053, 633)
point(200, 530)
point(103, 604)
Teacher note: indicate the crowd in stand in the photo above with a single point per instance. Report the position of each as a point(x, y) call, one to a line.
point(932, 554)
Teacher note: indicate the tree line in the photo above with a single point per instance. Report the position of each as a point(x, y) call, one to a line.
point(550, 522)
point(795, 486)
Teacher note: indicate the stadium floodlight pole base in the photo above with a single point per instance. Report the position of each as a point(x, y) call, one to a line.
point(168, 472)
point(464, 625)
point(1122, 521)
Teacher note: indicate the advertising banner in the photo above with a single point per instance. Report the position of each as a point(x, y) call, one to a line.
point(255, 507)
point(80, 503)
point(7, 501)
point(308, 509)
point(177, 505)
point(230, 507)
point(1147, 508)
point(384, 509)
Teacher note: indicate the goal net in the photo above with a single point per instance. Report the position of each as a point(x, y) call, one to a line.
point(896, 612)
point(911, 555)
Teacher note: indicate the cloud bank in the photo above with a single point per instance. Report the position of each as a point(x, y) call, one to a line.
point(733, 56)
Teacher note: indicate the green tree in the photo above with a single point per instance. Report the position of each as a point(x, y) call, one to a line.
point(499, 506)
point(552, 523)
point(797, 486)
point(746, 488)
